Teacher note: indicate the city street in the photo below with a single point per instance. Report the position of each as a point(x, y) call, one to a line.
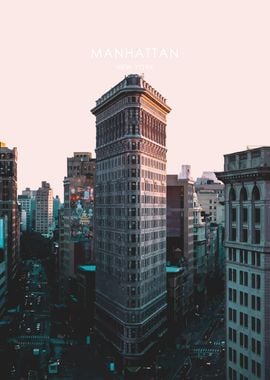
point(32, 342)
point(42, 337)
point(202, 356)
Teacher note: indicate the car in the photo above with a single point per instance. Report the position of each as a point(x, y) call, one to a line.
point(32, 375)
point(28, 330)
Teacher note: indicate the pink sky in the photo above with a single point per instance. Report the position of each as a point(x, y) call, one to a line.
point(219, 88)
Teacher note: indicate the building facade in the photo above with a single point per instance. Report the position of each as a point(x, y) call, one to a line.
point(76, 222)
point(26, 203)
point(180, 238)
point(247, 243)
point(210, 191)
point(9, 208)
point(130, 218)
point(3, 264)
point(200, 258)
point(44, 209)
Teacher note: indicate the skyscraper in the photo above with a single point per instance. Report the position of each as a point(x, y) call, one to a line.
point(130, 217)
point(26, 202)
point(180, 244)
point(9, 207)
point(3, 264)
point(247, 243)
point(44, 208)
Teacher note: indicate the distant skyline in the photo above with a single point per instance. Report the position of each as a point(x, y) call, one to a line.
point(217, 84)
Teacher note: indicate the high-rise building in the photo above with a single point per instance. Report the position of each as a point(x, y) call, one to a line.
point(28, 203)
point(9, 207)
point(210, 191)
point(76, 221)
point(180, 239)
point(56, 207)
point(44, 208)
point(130, 218)
point(247, 243)
point(26, 208)
point(200, 257)
point(3, 264)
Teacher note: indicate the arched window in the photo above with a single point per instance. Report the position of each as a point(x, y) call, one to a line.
point(232, 196)
point(255, 194)
point(243, 194)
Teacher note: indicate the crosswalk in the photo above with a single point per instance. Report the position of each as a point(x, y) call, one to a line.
point(31, 340)
point(40, 340)
point(204, 349)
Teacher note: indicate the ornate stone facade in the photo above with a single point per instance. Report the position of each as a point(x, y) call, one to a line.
point(247, 243)
point(130, 217)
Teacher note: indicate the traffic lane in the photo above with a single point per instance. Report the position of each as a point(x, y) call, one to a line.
point(174, 359)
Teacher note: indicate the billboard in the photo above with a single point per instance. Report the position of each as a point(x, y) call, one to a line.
point(81, 206)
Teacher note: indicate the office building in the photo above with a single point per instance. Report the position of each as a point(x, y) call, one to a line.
point(210, 192)
point(44, 209)
point(9, 208)
point(56, 207)
point(246, 177)
point(26, 203)
point(180, 239)
point(130, 218)
point(199, 249)
point(3, 264)
point(76, 246)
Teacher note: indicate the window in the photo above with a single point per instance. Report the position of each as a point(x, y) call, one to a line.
point(233, 214)
point(243, 194)
point(232, 314)
point(256, 346)
point(243, 359)
point(255, 194)
point(232, 196)
point(245, 215)
point(257, 236)
point(244, 235)
point(257, 215)
point(232, 335)
point(243, 319)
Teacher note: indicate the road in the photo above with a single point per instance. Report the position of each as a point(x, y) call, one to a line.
point(33, 330)
point(182, 364)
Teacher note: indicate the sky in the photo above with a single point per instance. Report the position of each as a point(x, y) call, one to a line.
point(218, 86)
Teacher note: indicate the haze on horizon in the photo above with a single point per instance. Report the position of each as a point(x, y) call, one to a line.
point(218, 86)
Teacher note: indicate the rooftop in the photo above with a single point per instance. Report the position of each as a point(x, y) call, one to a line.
point(87, 268)
point(132, 82)
point(247, 159)
point(173, 269)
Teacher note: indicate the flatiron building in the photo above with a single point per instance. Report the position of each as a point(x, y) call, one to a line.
point(130, 217)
